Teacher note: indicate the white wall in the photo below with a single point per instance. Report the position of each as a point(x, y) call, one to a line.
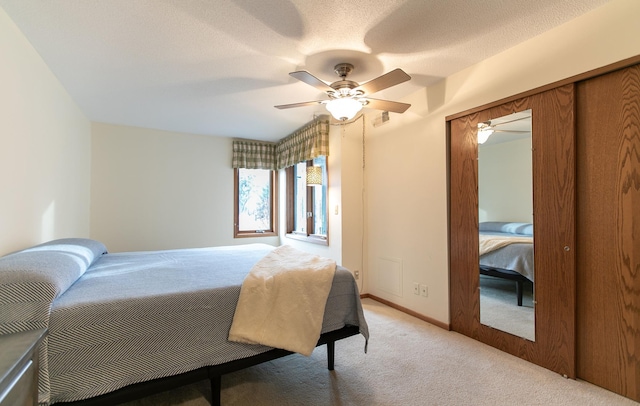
point(156, 190)
point(45, 150)
point(505, 182)
point(406, 158)
point(353, 195)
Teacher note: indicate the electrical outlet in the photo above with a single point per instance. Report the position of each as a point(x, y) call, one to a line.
point(356, 274)
point(416, 288)
point(424, 291)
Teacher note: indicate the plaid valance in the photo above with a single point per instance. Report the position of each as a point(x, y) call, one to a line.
point(254, 155)
point(310, 141)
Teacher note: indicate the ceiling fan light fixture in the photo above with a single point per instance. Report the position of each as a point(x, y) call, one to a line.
point(344, 108)
point(483, 134)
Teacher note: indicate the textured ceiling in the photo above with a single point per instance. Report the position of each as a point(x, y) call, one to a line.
point(217, 67)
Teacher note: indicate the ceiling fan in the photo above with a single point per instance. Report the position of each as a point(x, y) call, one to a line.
point(346, 97)
point(486, 128)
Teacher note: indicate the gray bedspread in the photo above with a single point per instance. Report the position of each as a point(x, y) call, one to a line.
point(133, 317)
point(516, 257)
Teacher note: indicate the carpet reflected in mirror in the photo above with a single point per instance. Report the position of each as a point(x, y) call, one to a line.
point(499, 307)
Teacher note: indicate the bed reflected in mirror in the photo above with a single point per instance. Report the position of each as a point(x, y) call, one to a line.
point(505, 201)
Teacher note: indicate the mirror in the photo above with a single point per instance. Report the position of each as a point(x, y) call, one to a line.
point(505, 202)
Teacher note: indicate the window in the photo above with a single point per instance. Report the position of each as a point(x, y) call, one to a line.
point(254, 206)
point(307, 205)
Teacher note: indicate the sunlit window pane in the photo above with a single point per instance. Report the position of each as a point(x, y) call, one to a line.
point(254, 199)
point(300, 192)
point(320, 199)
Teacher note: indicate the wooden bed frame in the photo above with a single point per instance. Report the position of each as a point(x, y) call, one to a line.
point(212, 373)
point(518, 278)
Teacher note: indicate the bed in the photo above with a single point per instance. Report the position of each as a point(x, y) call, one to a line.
point(123, 325)
point(506, 251)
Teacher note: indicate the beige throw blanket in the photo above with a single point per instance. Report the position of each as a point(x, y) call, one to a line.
point(282, 301)
point(490, 243)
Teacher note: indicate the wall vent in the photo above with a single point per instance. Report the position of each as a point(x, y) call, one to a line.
point(389, 275)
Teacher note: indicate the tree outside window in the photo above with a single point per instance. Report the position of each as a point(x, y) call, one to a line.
point(254, 205)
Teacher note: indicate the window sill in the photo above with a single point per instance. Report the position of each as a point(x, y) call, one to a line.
point(250, 234)
point(313, 239)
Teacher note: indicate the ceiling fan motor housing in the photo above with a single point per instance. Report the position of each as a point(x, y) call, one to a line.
point(342, 88)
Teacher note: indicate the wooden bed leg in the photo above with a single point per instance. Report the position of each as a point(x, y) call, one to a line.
point(216, 387)
point(331, 350)
point(519, 292)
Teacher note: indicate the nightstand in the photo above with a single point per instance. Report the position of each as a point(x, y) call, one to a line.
point(19, 368)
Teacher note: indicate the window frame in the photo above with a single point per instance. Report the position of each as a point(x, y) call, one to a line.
point(273, 231)
point(291, 205)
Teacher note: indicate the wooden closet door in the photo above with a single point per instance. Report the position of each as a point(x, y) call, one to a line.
point(608, 259)
point(553, 124)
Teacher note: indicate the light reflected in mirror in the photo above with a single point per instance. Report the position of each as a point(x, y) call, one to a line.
point(505, 201)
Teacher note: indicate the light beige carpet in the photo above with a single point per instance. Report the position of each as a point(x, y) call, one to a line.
point(409, 362)
point(499, 307)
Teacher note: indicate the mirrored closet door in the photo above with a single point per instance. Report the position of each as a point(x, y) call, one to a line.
point(497, 202)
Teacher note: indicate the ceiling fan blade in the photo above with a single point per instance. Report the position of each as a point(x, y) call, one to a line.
point(309, 79)
point(289, 106)
point(386, 105)
point(395, 77)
